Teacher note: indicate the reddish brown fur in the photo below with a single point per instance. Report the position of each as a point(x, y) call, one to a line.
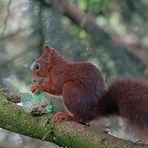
point(129, 99)
point(84, 93)
point(80, 84)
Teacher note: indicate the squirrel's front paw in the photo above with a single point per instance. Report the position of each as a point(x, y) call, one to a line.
point(35, 88)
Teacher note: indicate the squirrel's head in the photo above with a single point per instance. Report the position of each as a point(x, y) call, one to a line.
point(41, 67)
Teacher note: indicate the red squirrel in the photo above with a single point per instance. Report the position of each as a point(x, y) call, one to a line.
point(84, 91)
point(80, 84)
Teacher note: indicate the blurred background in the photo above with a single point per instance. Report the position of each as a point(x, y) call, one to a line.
point(113, 34)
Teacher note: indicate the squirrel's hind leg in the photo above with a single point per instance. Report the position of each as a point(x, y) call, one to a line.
point(59, 116)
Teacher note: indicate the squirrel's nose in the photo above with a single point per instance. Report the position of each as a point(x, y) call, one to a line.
point(33, 80)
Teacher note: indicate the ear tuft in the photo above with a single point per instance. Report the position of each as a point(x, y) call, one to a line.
point(47, 49)
point(46, 46)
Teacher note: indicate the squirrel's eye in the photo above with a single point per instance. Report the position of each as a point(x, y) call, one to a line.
point(37, 66)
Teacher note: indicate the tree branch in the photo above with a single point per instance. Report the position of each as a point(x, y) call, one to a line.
point(15, 98)
point(67, 133)
point(88, 23)
point(137, 52)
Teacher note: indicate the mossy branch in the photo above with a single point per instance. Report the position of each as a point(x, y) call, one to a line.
point(67, 133)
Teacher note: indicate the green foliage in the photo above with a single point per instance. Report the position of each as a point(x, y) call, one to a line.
point(41, 23)
point(95, 5)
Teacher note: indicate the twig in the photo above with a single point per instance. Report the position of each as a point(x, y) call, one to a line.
point(15, 97)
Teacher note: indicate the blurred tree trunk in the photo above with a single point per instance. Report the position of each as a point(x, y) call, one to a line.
point(68, 133)
point(88, 22)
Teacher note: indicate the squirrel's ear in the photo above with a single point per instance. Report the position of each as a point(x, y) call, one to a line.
point(47, 49)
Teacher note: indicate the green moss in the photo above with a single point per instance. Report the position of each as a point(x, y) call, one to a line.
point(15, 121)
point(75, 141)
point(68, 134)
point(78, 138)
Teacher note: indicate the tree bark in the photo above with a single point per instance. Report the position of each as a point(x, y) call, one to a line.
point(67, 133)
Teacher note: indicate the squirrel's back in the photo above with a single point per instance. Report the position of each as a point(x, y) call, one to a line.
point(89, 75)
point(83, 90)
